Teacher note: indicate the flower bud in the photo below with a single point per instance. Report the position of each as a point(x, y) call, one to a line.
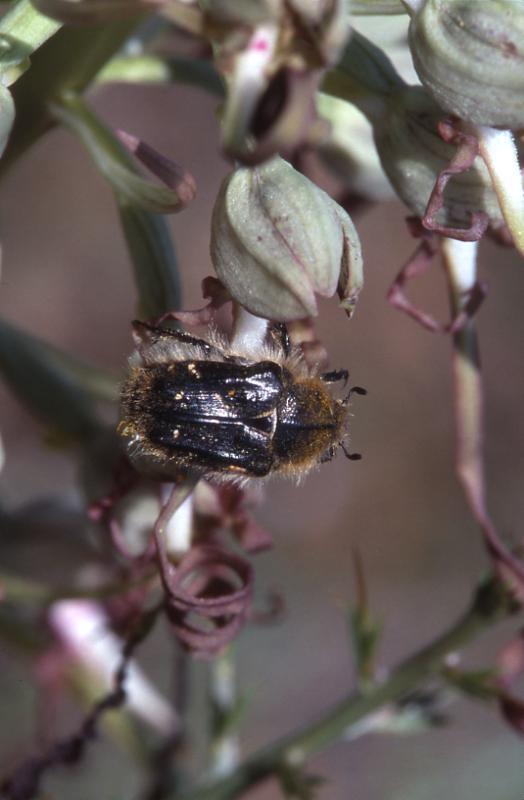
point(469, 55)
point(272, 56)
point(413, 154)
point(349, 150)
point(277, 240)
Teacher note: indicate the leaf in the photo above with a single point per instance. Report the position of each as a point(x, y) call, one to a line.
point(199, 72)
point(110, 154)
point(142, 68)
point(299, 784)
point(45, 381)
point(365, 628)
point(478, 683)
point(154, 260)
point(363, 68)
point(68, 61)
point(7, 116)
point(371, 7)
point(365, 632)
point(92, 12)
point(22, 31)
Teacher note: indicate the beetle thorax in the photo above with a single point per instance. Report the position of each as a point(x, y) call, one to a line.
point(309, 422)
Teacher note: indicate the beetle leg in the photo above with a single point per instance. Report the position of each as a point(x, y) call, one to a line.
point(328, 455)
point(350, 456)
point(353, 390)
point(335, 375)
point(145, 332)
point(280, 334)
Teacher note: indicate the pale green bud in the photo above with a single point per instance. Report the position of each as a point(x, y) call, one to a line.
point(349, 150)
point(277, 240)
point(470, 56)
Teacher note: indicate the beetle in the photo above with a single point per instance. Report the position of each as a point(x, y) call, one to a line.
point(225, 412)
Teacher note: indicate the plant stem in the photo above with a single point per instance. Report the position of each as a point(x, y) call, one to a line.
point(491, 603)
point(460, 265)
point(15, 588)
point(223, 704)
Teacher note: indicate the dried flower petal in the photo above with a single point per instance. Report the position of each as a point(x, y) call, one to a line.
point(462, 160)
point(114, 162)
point(415, 157)
point(168, 171)
point(419, 262)
point(228, 506)
point(272, 56)
point(208, 596)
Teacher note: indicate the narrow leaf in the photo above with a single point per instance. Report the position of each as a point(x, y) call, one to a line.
point(41, 377)
point(91, 12)
point(22, 31)
point(154, 260)
point(115, 163)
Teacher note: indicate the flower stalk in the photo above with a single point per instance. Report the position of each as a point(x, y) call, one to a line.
point(490, 605)
point(460, 264)
point(498, 150)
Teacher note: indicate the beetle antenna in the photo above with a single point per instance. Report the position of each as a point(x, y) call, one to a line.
point(353, 390)
point(350, 456)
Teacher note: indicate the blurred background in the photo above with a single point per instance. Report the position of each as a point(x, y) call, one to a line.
point(66, 278)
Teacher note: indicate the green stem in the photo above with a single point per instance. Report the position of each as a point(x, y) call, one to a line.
point(224, 707)
point(15, 588)
point(363, 76)
point(491, 603)
point(460, 265)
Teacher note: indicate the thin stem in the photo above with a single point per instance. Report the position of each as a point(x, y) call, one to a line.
point(83, 628)
point(499, 151)
point(412, 6)
point(249, 331)
point(179, 528)
point(15, 588)
point(491, 603)
point(223, 703)
point(460, 264)
point(179, 494)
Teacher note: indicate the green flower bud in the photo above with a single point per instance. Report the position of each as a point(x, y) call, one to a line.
point(413, 154)
point(349, 150)
point(272, 56)
point(469, 55)
point(277, 240)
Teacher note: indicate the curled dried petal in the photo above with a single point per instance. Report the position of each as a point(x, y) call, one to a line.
point(416, 265)
point(231, 507)
point(464, 158)
point(208, 596)
point(420, 152)
point(165, 169)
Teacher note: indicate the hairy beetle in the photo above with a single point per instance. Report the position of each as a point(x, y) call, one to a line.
point(202, 405)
